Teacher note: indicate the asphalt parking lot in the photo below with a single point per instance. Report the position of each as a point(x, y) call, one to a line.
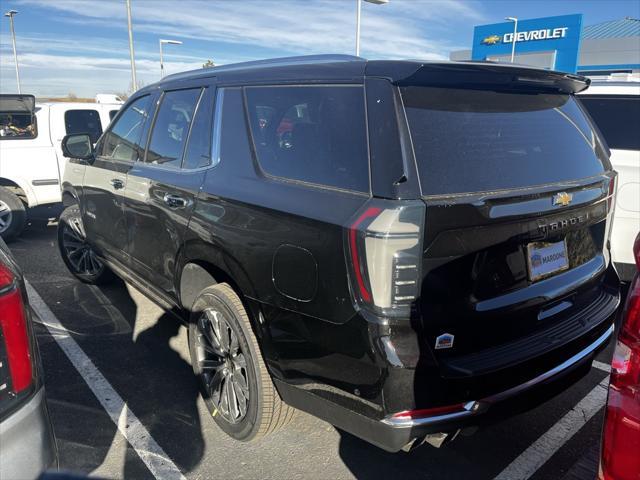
point(142, 355)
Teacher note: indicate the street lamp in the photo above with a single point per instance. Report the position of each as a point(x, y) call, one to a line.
point(513, 40)
point(168, 42)
point(358, 7)
point(10, 14)
point(134, 82)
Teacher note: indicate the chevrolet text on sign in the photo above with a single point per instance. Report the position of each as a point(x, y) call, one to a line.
point(544, 34)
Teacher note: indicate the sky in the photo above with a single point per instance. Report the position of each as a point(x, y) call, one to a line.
point(81, 46)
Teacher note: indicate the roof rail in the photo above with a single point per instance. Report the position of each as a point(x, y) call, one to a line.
point(272, 62)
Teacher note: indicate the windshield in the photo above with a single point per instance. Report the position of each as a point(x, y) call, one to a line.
point(478, 140)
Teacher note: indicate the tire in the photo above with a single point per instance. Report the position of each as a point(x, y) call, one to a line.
point(264, 411)
point(13, 215)
point(76, 253)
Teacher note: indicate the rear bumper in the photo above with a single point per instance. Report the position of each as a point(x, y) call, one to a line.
point(28, 443)
point(476, 407)
point(393, 434)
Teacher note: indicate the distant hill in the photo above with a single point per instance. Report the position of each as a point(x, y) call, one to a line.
point(66, 99)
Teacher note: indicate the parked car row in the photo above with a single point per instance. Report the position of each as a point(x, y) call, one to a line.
point(31, 161)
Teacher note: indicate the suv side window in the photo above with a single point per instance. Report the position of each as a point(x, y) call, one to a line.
point(122, 141)
point(83, 121)
point(199, 150)
point(171, 127)
point(314, 134)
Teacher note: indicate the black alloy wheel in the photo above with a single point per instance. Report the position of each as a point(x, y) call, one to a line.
point(222, 366)
point(79, 253)
point(76, 252)
point(226, 358)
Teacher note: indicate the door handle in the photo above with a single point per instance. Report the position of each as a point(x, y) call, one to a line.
point(174, 201)
point(116, 183)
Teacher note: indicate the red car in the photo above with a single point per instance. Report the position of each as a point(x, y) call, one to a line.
point(621, 438)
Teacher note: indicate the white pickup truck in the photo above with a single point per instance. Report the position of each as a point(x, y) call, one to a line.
point(31, 161)
point(615, 107)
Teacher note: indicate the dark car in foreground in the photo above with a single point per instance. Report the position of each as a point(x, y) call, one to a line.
point(400, 248)
point(27, 444)
point(621, 436)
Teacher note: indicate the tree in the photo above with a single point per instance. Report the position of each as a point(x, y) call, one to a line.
point(209, 63)
point(72, 96)
point(131, 89)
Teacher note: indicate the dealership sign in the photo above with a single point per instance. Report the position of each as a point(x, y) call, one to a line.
point(544, 34)
point(556, 37)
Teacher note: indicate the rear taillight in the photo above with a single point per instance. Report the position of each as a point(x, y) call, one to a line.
point(621, 437)
point(15, 351)
point(384, 244)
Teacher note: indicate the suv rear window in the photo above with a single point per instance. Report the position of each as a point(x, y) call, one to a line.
point(468, 141)
point(617, 117)
point(314, 134)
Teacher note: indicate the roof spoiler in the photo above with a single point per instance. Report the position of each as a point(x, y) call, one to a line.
point(10, 103)
point(479, 75)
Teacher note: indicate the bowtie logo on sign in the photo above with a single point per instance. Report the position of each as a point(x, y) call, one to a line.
point(491, 40)
point(542, 34)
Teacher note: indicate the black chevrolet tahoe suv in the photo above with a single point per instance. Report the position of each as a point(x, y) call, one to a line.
point(404, 249)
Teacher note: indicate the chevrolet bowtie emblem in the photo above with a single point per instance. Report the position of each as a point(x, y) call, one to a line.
point(491, 40)
point(562, 198)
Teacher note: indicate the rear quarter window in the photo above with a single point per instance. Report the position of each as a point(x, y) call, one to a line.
point(617, 117)
point(468, 141)
point(314, 134)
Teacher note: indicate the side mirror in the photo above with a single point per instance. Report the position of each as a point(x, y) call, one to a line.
point(78, 145)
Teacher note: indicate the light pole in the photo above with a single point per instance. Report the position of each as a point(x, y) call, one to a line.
point(10, 14)
point(513, 40)
point(358, 8)
point(168, 42)
point(134, 82)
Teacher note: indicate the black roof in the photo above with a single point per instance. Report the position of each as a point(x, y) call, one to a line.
point(347, 68)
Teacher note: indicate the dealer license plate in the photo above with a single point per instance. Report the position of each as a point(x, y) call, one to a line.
point(544, 259)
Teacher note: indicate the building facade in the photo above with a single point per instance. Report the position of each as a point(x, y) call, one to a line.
point(561, 43)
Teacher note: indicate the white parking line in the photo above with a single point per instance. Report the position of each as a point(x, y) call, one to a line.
point(529, 461)
point(605, 367)
point(156, 460)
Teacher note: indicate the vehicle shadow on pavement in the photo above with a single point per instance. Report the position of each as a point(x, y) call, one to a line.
point(142, 352)
point(167, 404)
point(154, 380)
point(366, 461)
